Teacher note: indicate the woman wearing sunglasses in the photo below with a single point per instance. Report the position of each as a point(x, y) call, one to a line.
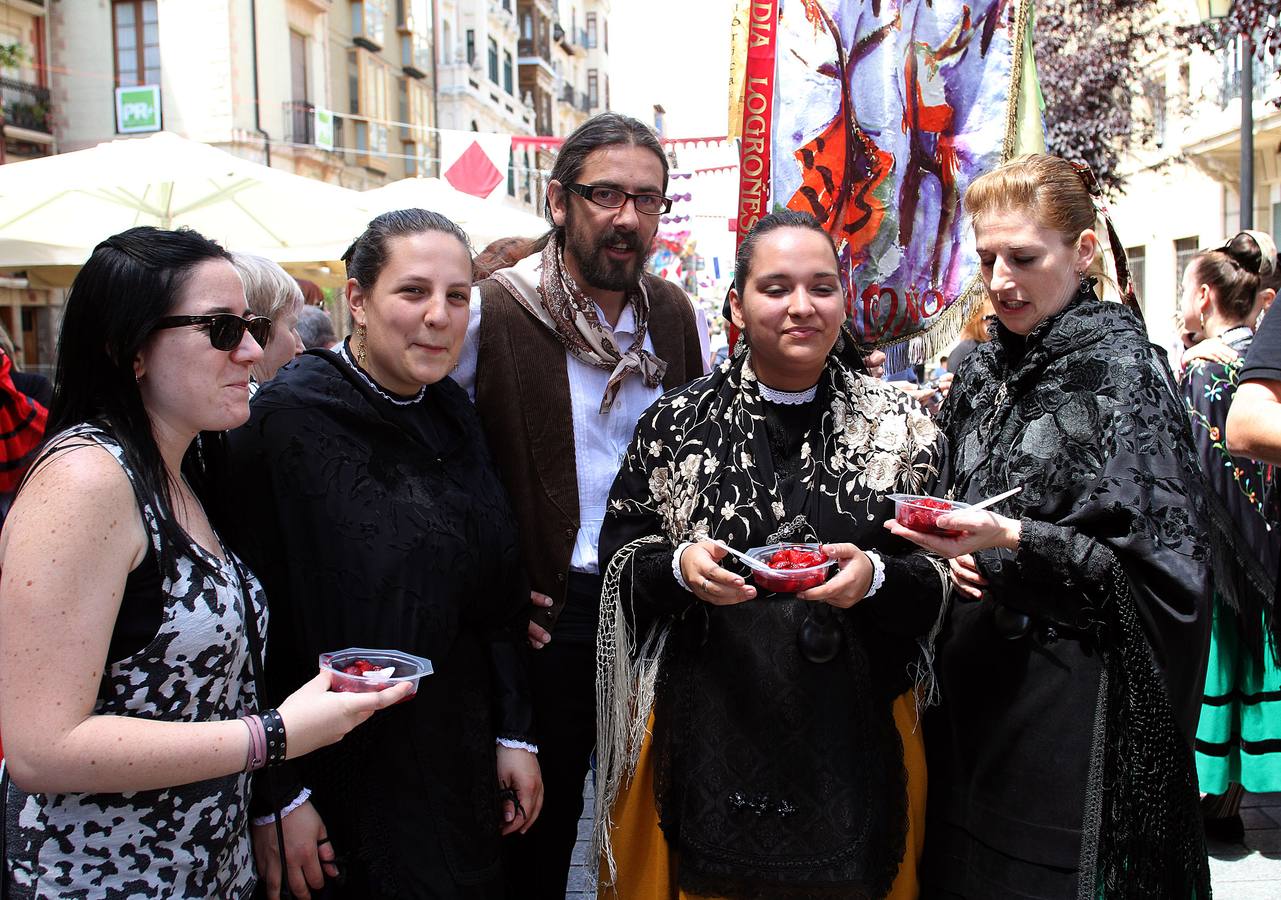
point(127, 697)
point(366, 500)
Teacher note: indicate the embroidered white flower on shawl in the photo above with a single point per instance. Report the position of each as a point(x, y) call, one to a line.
point(710, 464)
point(777, 509)
point(680, 402)
point(805, 450)
point(881, 471)
point(659, 488)
point(745, 459)
point(891, 433)
point(872, 402)
point(922, 428)
point(728, 511)
point(838, 414)
point(857, 433)
point(690, 466)
point(655, 448)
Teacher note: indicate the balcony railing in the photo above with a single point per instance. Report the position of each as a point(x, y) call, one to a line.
point(299, 122)
point(529, 47)
point(567, 94)
point(25, 105)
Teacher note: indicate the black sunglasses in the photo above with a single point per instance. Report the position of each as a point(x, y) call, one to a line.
point(613, 198)
point(225, 329)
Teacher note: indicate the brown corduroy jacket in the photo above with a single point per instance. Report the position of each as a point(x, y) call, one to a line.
point(522, 396)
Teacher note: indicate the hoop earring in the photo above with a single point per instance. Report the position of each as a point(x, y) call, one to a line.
point(361, 355)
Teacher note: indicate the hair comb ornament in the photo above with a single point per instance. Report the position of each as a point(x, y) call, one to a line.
point(1120, 262)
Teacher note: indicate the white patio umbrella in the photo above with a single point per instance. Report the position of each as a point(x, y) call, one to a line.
point(483, 220)
point(53, 207)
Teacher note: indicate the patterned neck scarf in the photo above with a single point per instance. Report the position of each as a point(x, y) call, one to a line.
point(550, 294)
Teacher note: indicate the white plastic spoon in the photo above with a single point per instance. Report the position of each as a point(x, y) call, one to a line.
point(992, 500)
point(751, 563)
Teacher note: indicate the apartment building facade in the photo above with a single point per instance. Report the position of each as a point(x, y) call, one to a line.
point(1182, 193)
point(26, 132)
point(249, 75)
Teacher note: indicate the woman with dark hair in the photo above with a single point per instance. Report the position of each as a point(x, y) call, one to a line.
point(367, 503)
point(785, 758)
point(127, 701)
point(1060, 755)
point(1239, 720)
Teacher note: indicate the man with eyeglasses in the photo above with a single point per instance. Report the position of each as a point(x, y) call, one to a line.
point(565, 350)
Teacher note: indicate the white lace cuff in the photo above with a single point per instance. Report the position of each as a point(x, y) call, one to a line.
point(298, 801)
point(512, 744)
point(676, 565)
point(878, 572)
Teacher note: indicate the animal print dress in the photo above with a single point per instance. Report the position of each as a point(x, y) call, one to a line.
point(190, 841)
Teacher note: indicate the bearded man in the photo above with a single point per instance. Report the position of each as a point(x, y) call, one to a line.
point(565, 350)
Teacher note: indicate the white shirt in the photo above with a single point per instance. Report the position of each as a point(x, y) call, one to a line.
point(600, 440)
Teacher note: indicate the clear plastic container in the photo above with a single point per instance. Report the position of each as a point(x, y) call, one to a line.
point(407, 668)
point(921, 513)
point(789, 581)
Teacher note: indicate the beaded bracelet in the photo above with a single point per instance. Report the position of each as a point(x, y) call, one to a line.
point(275, 727)
point(256, 757)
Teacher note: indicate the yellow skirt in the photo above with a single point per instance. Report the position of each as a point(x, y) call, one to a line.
point(646, 866)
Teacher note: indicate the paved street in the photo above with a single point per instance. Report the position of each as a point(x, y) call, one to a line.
point(1251, 871)
point(1248, 871)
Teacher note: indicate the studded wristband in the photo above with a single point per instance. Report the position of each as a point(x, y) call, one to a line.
point(275, 729)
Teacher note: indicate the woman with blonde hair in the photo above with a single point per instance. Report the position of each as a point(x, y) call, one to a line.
point(1070, 667)
point(271, 292)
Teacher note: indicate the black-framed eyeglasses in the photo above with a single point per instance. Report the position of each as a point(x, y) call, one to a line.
point(225, 329)
point(613, 198)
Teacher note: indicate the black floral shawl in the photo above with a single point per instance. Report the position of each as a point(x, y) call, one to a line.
point(1244, 503)
point(776, 776)
point(1084, 415)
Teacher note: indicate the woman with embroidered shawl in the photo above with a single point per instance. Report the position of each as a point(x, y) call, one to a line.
point(783, 757)
point(1071, 662)
point(1221, 290)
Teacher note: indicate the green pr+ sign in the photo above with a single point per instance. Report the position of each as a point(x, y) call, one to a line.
point(138, 109)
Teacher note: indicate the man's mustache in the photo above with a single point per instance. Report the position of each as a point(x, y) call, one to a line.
point(621, 237)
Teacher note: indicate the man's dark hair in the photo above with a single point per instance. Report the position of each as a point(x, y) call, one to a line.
point(605, 130)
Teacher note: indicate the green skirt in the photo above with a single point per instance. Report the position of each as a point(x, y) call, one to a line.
point(1238, 738)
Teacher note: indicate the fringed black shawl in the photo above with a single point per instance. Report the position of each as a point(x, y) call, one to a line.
point(776, 776)
point(1084, 415)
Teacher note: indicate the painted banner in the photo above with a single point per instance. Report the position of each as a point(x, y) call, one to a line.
point(757, 111)
point(883, 112)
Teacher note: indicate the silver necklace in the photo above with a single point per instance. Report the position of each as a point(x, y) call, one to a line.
point(378, 388)
point(788, 398)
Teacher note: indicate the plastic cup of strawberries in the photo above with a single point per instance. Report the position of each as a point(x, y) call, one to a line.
point(793, 567)
point(363, 670)
point(921, 513)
